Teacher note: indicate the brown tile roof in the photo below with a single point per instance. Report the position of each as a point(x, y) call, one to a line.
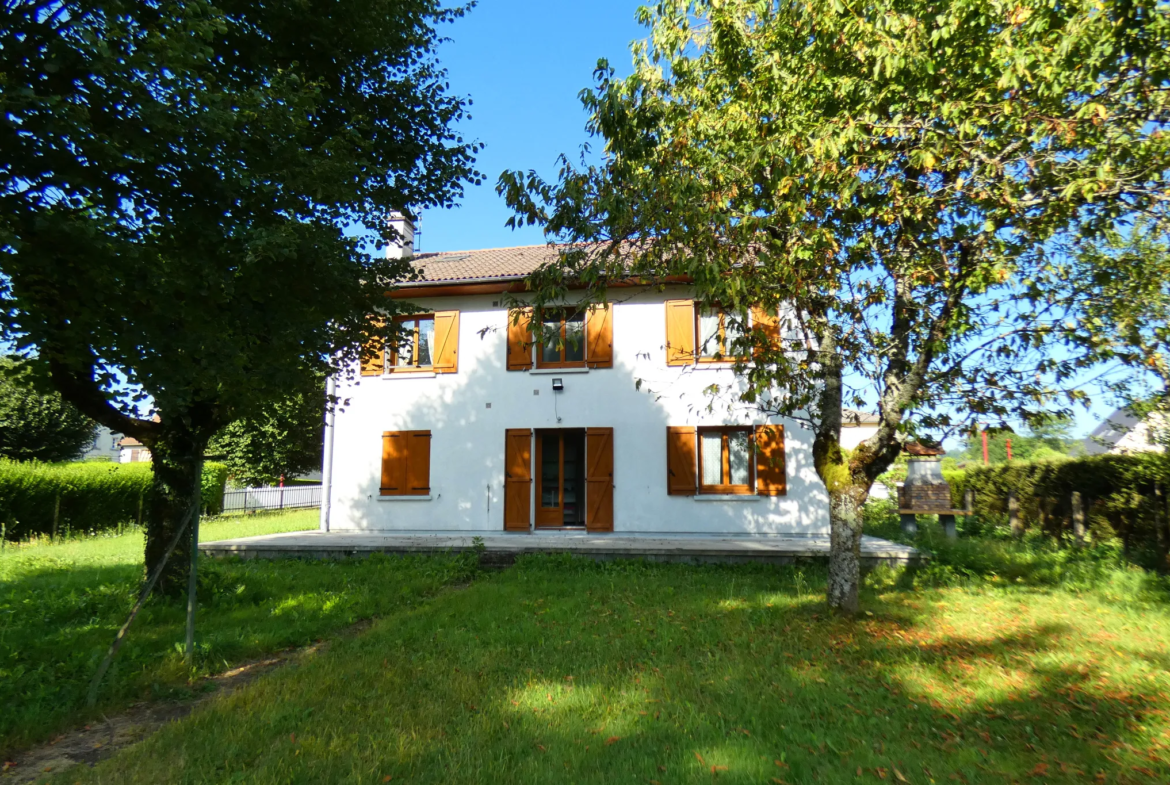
point(129, 441)
point(494, 264)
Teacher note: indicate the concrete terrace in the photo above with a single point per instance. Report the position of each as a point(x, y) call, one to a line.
point(502, 548)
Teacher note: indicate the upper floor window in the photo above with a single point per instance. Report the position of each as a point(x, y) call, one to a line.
point(717, 333)
point(416, 348)
point(564, 339)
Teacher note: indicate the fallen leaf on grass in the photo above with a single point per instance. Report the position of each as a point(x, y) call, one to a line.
point(701, 761)
point(784, 765)
point(612, 739)
point(881, 772)
point(387, 778)
point(715, 769)
point(899, 776)
point(541, 747)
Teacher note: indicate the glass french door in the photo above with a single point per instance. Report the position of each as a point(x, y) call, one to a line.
point(560, 477)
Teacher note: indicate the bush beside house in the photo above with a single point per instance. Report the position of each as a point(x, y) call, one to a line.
point(46, 499)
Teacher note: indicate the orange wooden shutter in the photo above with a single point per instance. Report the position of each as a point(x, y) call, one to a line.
point(418, 463)
point(767, 323)
point(519, 340)
point(517, 479)
point(446, 357)
point(681, 464)
point(374, 355)
point(599, 340)
point(599, 479)
point(680, 332)
point(771, 474)
point(394, 449)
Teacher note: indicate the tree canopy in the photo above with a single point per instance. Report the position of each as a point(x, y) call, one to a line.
point(188, 189)
point(35, 423)
point(889, 174)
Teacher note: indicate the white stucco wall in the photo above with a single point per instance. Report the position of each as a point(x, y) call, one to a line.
point(467, 446)
point(853, 435)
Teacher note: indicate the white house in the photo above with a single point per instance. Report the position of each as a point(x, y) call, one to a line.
point(105, 445)
point(1124, 433)
point(130, 450)
point(469, 428)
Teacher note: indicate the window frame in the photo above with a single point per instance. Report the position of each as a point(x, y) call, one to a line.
point(723, 355)
point(391, 352)
point(726, 489)
point(406, 492)
point(564, 314)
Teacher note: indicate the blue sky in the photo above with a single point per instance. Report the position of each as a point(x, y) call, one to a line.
point(523, 62)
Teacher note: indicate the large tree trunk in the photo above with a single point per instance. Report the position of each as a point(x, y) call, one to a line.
point(176, 460)
point(844, 551)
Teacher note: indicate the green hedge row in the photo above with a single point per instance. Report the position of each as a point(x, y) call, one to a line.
point(1125, 496)
point(89, 497)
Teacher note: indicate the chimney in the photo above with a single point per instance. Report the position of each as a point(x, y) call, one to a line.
point(403, 245)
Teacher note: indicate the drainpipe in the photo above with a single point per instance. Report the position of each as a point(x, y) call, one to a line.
point(327, 463)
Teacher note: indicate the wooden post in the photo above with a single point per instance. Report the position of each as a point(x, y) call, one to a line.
point(969, 501)
point(1162, 522)
point(1014, 515)
point(1078, 518)
point(56, 514)
point(140, 495)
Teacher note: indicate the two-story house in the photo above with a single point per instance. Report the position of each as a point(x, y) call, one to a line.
point(628, 423)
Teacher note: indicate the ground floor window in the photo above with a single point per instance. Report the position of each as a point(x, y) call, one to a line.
point(725, 460)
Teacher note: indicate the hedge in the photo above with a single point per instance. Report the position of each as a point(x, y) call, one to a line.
point(85, 497)
point(1120, 493)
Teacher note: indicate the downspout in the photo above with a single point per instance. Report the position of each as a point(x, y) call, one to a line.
point(327, 462)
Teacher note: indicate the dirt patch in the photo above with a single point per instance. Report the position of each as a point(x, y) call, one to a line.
point(100, 740)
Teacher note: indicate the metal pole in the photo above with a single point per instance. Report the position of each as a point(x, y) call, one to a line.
point(327, 462)
point(985, 461)
point(189, 655)
point(1009, 449)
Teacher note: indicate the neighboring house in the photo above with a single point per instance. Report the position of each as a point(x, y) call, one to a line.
point(856, 427)
point(132, 451)
point(469, 428)
point(1124, 433)
point(105, 445)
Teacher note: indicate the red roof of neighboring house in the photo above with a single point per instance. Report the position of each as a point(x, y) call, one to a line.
point(129, 441)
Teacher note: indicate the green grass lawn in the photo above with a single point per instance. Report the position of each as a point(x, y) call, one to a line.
point(571, 672)
point(61, 604)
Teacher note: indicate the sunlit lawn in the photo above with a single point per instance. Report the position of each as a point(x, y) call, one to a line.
point(561, 671)
point(60, 605)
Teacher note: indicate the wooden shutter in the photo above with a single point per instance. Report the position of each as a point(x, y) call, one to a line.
point(771, 474)
point(374, 355)
point(768, 324)
point(680, 332)
point(599, 479)
point(599, 336)
point(418, 463)
point(519, 340)
point(446, 357)
point(517, 479)
point(406, 463)
point(393, 463)
point(681, 463)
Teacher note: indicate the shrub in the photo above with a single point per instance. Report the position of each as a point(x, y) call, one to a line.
point(84, 497)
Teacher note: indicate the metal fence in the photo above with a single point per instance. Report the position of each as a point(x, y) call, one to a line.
point(289, 497)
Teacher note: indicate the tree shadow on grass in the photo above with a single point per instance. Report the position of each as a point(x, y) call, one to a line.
point(581, 673)
point(58, 622)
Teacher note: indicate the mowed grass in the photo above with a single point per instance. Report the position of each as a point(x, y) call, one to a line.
point(61, 604)
point(567, 671)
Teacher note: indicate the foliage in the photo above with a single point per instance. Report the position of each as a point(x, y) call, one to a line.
point(1123, 307)
point(889, 174)
point(63, 603)
point(566, 670)
point(190, 191)
point(35, 423)
point(85, 497)
point(282, 441)
point(986, 555)
point(1050, 438)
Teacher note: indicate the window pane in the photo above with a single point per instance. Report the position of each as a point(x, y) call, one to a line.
point(711, 449)
point(708, 333)
point(739, 457)
point(732, 331)
point(551, 352)
point(550, 470)
point(426, 341)
point(575, 338)
point(406, 348)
